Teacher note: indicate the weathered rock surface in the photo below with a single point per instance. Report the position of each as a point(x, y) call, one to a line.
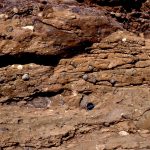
point(73, 77)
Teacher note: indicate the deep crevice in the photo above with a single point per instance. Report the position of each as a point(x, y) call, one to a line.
point(46, 60)
point(46, 94)
point(26, 58)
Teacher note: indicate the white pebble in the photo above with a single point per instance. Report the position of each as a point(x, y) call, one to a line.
point(20, 67)
point(31, 65)
point(40, 14)
point(124, 39)
point(29, 27)
point(123, 133)
point(74, 93)
point(15, 10)
point(3, 16)
point(25, 77)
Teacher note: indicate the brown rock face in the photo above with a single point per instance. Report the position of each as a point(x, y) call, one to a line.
point(55, 29)
point(72, 76)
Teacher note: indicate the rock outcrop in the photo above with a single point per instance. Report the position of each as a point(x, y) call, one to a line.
point(74, 69)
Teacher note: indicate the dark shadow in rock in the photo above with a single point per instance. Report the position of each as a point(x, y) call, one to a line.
point(26, 58)
point(46, 60)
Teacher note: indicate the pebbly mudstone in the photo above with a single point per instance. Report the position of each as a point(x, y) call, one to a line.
point(46, 37)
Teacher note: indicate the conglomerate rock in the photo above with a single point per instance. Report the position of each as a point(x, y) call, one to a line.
point(72, 76)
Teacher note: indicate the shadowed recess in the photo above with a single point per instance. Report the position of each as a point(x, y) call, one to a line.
point(46, 60)
point(26, 58)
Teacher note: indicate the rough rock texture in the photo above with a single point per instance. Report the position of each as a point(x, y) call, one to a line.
point(74, 75)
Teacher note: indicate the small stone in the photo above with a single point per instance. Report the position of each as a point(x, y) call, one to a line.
point(90, 68)
point(85, 77)
point(106, 124)
point(40, 14)
point(90, 106)
point(28, 27)
point(74, 93)
point(3, 16)
point(123, 133)
point(73, 17)
point(112, 81)
point(31, 65)
point(83, 102)
point(15, 10)
point(25, 77)
point(118, 14)
point(20, 67)
point(124, 40)
point(93, 80)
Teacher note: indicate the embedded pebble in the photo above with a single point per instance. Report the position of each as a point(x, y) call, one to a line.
point(85, 77)
point(12, 66)
point(3, 16)
point(25, 77)
point(118, 14)
point(74, 93)
point(123, 133)
point(124, 39)
point(28, 27)
point(112, 81)
point(20, 67)
point(83, 102)
point(90, 106)
point(40, 14)
point(15, 10)
point(90, 68)
point(31, 65)
point(93, 80)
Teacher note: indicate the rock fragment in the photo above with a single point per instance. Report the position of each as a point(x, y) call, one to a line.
point(25, 77)
point(123, 133)
point(85, 77)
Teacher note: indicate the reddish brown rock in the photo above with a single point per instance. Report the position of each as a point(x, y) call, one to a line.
point(71, 77)
point(53, 30)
